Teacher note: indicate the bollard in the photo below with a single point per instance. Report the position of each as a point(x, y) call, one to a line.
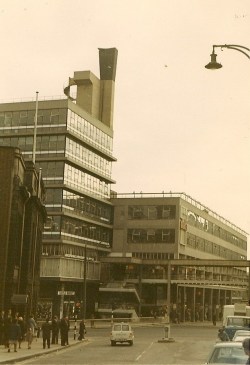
point(166, 338)
point(167, 331)
point(75, 329)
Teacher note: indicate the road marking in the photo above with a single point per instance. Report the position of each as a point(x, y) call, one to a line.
point(143, 352)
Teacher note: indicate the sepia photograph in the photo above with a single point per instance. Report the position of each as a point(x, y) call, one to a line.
point(125, 182)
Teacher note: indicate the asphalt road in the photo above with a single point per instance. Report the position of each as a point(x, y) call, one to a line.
point(191, 345)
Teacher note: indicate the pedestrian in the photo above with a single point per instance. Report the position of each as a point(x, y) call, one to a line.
point(20, 321)
point(31, 323)
point(14, 333)
point(55, 330)
point(46, 330)
point(82, 330)
point(214, 318)
point(29, 336)
point(2, 328)
point(64, 328)
point(7, 322)
point(246, 347)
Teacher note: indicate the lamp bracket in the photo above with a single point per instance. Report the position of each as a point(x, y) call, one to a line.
point(236, 47)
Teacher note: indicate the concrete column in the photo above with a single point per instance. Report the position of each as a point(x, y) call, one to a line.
point(194, 302)
point(62, 301)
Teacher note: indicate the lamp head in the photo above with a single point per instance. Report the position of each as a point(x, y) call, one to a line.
point(213, 64)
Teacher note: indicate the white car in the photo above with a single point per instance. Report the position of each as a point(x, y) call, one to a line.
point(121, 332)
point(240, 335)
point(227, 353)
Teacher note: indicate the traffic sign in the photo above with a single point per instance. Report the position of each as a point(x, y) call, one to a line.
point(66, 292)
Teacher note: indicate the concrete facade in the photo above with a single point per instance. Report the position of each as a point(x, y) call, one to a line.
point(151, 231)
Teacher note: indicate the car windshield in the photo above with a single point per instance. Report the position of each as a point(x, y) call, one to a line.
point(242, 322)
point(228, 355)
point(121, 327)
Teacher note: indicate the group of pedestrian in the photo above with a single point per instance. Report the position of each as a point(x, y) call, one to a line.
point(62, 326)
point(15, 330)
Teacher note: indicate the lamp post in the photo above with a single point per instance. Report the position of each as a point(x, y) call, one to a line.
point(214, 65)
point(84, 282)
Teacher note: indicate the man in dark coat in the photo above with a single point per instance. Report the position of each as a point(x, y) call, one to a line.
point(20, 321)
point(82, 330)
point(55, 330)
point(46, 329)
point(14, 333)
point(64, 328)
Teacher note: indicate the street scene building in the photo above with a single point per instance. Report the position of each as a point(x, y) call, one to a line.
point(151, 230)
point(74, 141)
point(102, 253)
point(22, 216)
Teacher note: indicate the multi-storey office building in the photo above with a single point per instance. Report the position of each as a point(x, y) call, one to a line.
point(151, 230)
point(74, 152)
point(22, 216)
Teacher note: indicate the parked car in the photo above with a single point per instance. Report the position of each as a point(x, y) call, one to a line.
point(233, 324)
point(240, 335)
point(121, 332)
point(227, 353)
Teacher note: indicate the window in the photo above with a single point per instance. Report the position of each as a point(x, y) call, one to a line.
point(151, 235)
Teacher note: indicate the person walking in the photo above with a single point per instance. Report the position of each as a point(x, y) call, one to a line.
point(29, 337)
point(31, 330)
point(20, 321)
point(64, 328)
point(2, 328)
point(55, 330)
point(14, 333)
point(46, 330)
point(82, 330)
point(214, 318)
point(31, 323)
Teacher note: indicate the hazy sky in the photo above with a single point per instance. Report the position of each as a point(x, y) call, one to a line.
point(178, 126)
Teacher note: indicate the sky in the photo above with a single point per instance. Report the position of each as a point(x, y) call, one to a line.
point(177, 126)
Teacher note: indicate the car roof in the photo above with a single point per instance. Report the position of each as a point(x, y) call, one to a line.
point(242, 332)
point(228, 344)
point(238, 317)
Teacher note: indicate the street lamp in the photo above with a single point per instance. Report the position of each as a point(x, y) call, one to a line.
point(214, 65)
point(84, 282)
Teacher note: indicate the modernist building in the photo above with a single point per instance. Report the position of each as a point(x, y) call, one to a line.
point(22, 216)
point(136, 262)
point(150, 231)
point(74, 152)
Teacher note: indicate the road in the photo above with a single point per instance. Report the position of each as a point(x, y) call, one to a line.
point(191, 346)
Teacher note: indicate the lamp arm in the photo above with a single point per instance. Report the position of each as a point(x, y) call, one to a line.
point(236, 47)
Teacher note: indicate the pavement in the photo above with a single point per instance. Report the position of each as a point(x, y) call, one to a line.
point(36, 350)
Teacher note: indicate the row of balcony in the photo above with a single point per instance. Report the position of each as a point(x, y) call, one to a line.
point(72, 268)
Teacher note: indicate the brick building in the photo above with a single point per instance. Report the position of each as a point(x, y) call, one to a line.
point(22, 216)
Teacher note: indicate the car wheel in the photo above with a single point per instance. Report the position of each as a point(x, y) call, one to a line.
point(130, 343)
point(113, 343)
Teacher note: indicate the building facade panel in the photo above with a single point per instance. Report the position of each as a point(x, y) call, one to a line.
point(159, 228)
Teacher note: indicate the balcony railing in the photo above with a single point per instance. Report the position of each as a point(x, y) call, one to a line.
point(69, 268)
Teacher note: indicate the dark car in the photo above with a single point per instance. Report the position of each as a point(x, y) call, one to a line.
point(233, 324)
